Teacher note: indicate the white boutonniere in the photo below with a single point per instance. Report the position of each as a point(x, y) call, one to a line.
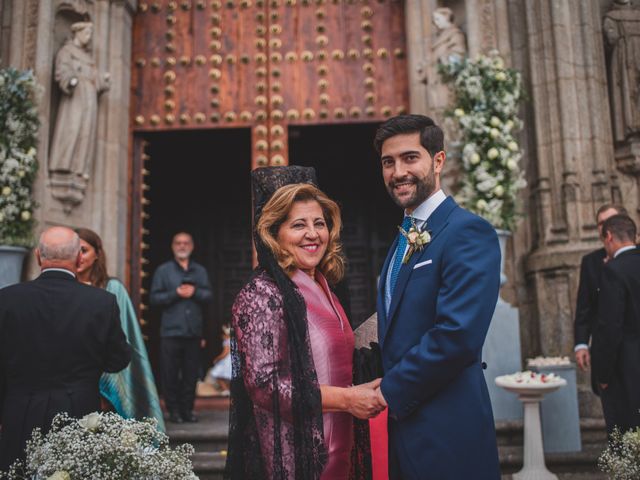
point(416, 239)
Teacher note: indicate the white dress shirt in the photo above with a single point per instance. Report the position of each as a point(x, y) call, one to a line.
point(421, 214)
point(59, 270)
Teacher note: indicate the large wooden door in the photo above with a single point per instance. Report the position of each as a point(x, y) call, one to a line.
point(259, 64)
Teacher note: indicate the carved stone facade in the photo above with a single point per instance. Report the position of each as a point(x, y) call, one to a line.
point(573, 164)
point(38, 30)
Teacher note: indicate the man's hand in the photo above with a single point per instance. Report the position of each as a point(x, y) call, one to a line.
point(363, 400)
point(381, 399)
point(604, 386)
point(203, 343)
point(583, 358)
point(185, 290)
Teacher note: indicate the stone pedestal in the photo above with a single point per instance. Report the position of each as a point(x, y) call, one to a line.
point(559, 410)
point(531, 396)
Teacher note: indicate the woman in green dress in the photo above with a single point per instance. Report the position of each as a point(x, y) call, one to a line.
point(132, 391)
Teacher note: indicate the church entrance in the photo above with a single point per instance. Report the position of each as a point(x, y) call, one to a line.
point(198, 182)
point(348, 170)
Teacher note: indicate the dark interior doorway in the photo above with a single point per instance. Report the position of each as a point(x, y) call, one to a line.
point(199, 183)
point(348, 170)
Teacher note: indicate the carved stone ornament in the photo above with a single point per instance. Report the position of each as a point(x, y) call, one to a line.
point(449, 43)
point(621, 29)
point(73, 146)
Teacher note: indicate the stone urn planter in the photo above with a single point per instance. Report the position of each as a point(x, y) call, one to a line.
point(11, 261)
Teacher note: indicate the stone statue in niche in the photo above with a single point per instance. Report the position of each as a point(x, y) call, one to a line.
point(73, 146)
point(449, 44)
point(622, 33)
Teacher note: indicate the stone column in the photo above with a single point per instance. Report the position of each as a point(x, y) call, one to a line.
point(418, 35)
point(487, 27)
point(114, 26)
point(573, 171)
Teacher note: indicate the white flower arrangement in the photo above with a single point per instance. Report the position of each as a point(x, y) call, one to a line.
point(18, 165)
point(102, 447)
point(621, 459)
point(486, 110)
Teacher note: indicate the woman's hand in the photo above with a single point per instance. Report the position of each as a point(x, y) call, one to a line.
point(363, 401)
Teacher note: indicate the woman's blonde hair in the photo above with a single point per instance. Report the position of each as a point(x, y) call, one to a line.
point(276, 211)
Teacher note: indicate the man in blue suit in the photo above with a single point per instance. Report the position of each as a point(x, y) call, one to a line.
point(435, 303)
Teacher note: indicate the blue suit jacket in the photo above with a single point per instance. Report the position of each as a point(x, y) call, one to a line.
point(440, 419)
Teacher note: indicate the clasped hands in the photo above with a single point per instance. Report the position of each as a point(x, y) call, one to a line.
point(185, 290)
point(366, 400)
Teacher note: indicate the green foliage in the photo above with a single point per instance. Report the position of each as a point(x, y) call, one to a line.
point(486, 110)
point(18, 164)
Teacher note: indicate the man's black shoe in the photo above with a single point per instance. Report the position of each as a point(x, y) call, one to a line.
point(189, 417)
point(175, 418)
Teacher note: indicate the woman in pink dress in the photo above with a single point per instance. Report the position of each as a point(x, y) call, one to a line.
point(292, 351)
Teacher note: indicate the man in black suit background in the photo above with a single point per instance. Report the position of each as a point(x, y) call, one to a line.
point(616, 338)
point(57, 336)
point(587, 302)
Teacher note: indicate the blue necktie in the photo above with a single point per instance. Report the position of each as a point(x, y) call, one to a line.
point(397, 259)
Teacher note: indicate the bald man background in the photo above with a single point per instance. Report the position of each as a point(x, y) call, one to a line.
point(57, 336)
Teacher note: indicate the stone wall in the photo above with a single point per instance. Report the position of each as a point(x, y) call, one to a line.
point(40, 27)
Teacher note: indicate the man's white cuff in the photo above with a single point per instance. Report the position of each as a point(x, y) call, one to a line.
point(580, 346)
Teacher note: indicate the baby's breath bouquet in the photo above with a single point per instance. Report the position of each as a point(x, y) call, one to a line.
point(18, 165)
point(621, 459)
point(102, 447)
point(487, 97)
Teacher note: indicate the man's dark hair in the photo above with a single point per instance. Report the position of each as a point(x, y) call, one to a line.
point(608, 206)
point(431, 135)
point(622, 228)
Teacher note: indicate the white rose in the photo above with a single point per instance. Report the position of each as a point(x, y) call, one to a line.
point(512, 164)
point(498, 191)
point(474, 159)
point(21, 173)
point(513, 146)
point(25, 215)
point(508, 124)
point(91, 421)
point(60, 475)
point(128, 438)
point(495, 121)
point(425, 238)
point(498, 63)
point(501, 76)
point(6, 191)
point(481, 205)
point(458, 112)
point(493, 153)
point(494, 133)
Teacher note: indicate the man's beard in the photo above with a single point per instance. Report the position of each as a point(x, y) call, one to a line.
point(425, 187)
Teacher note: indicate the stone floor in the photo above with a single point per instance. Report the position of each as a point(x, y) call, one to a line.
point(209, 438)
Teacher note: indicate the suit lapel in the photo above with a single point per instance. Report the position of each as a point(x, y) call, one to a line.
point(435, 224)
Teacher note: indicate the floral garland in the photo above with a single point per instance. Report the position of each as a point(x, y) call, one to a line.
point(486, 109)
point(18, 164)
point(102, 446)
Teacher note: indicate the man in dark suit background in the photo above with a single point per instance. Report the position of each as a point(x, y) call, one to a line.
point(57, 336)
point(588, 288)
point(616, 338)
